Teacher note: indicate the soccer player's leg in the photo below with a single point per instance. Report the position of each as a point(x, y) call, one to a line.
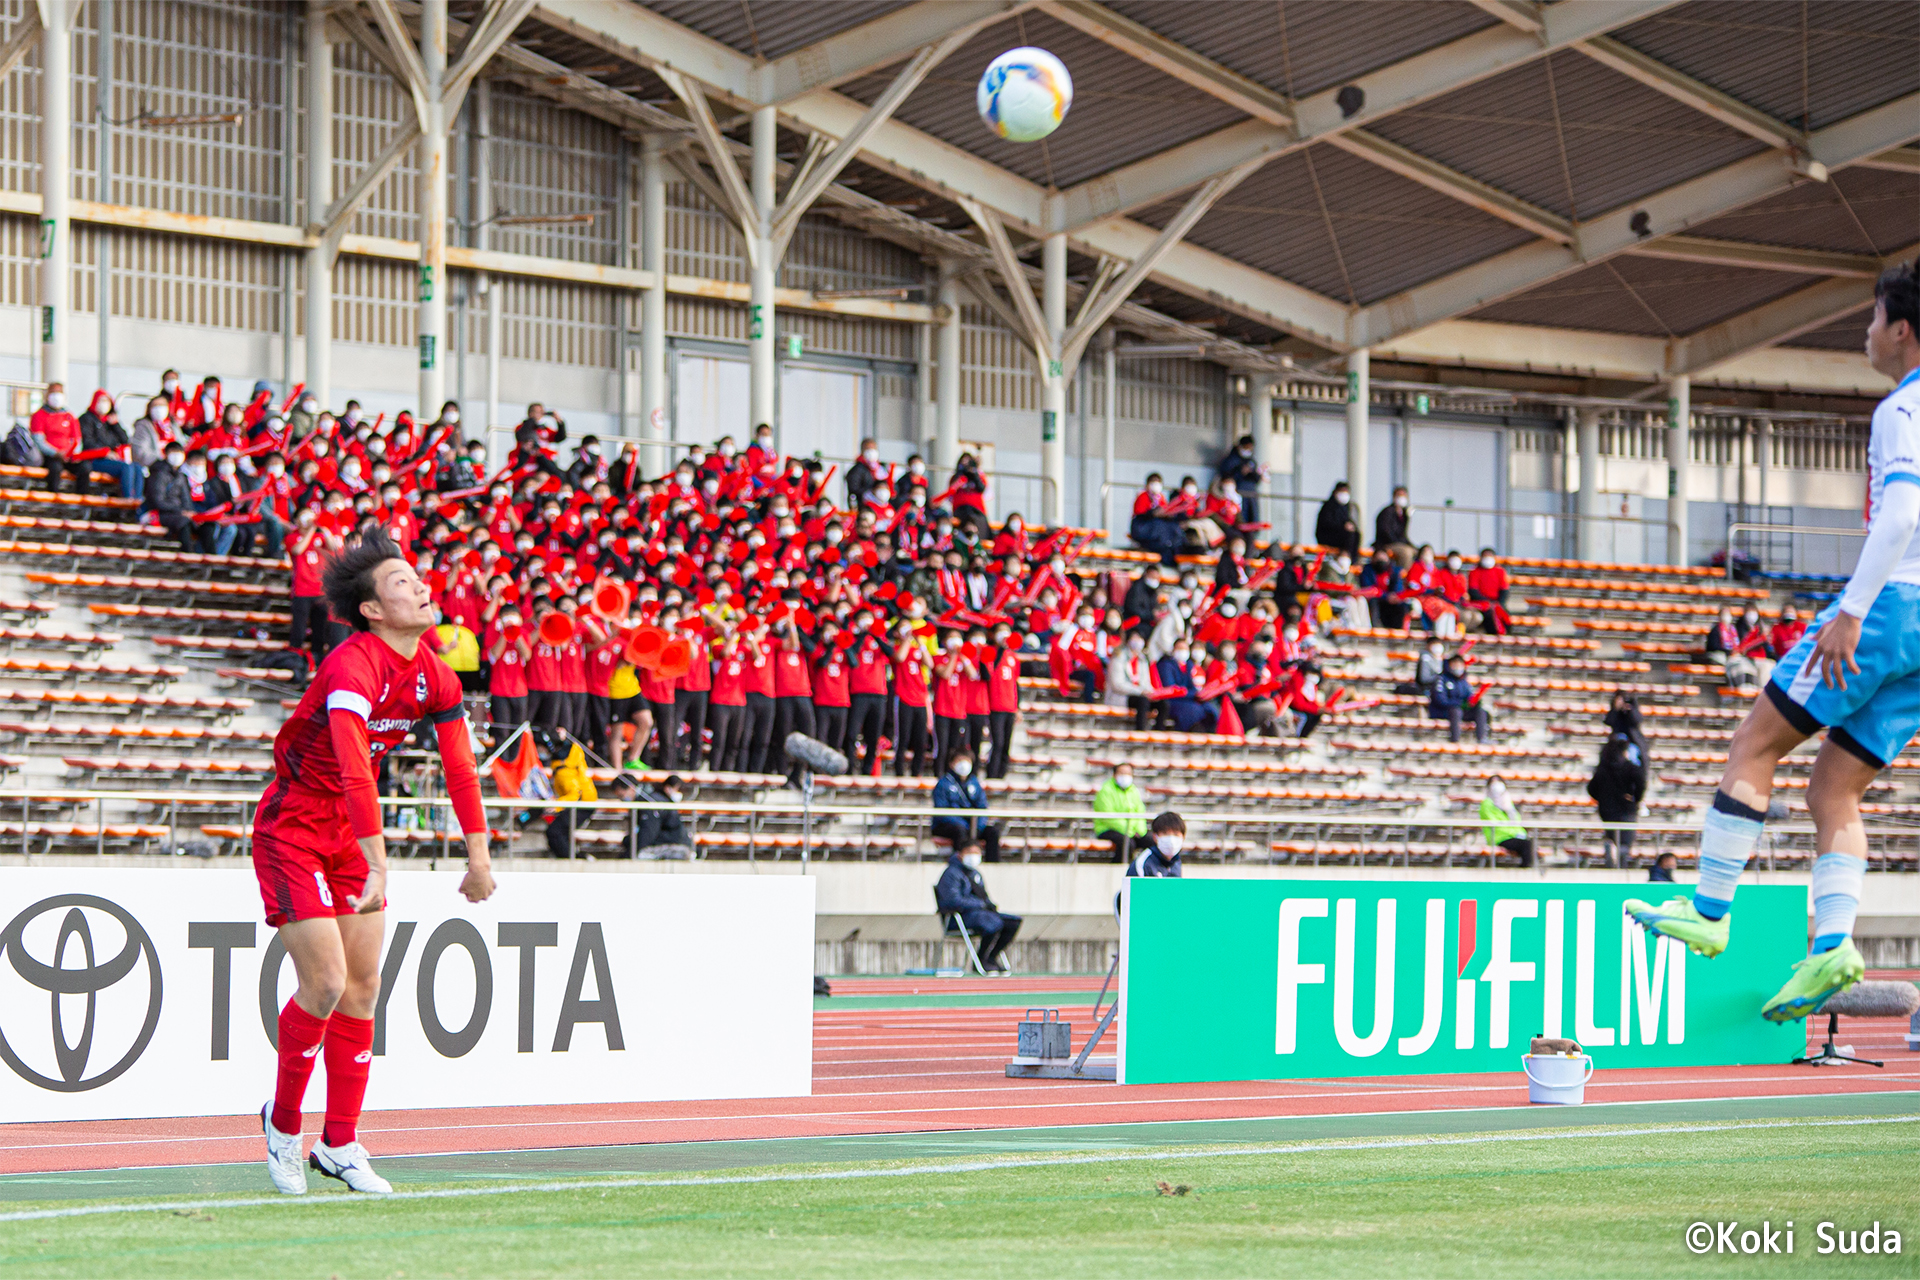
point(349, 1045)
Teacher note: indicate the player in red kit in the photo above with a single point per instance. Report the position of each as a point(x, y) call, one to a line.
point(321, 857)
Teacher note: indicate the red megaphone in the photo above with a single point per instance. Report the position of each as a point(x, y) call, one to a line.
point(510, 634)
point(643, 646)
point(610, 598)
point(676, 656)
point(556, 629)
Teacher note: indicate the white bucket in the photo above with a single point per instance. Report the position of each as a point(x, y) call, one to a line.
point(1559, 1078)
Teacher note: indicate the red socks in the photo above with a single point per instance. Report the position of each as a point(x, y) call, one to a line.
point(349, 1057)
point(300, 1037)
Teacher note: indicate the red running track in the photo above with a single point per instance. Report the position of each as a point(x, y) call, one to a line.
point(925, 1070)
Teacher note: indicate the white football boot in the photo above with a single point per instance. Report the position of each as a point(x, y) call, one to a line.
point(349, 1164)
point(284, 1165)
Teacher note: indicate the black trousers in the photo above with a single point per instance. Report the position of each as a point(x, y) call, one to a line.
point(790, 715)
point(1000, 727)
point(598, 719)
point(690, 709)
point(1142, 708)
point(177, 524)
point(910, 737)
point(759, 734)
point(560, 831)
point(976, 735)
point(1125, 846)
point(866, 723)
point(666, 723)
point(729, 725)
point(577, 716)
point(508, 711)
point(949, 735)
point(1520, 846)
point(309, 625)
point(830, 726)
point(546, 708)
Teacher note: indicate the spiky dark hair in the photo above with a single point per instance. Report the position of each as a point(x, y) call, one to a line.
point(348, 581)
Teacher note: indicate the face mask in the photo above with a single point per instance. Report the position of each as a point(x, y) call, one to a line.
point(726, 450)
point(1342, 496)
point(1123, 780)
point(226, 472)
point(1498, 791)
point(174, 459)
point(871, 456)
point(549, 422)
point(1156, 488)
point(351, 417)
point(1169, 845)
point(169, 385)
point(961, 768)
point(275, 469)
point(1181, 655)
point(971, 861)
point(56, 400)
point(452, 417)
point(1453, 562)
point(917, 468)
point(882, 496)
point(592, 450)
point(1189, 490)
point(1086, 624)
point(1400, 501)
point(710, 488)
point(1136, 644)
point(765, 442)
point(351, 471)
point(309, 405)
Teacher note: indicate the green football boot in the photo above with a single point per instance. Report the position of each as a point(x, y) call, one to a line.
point(1676, 918)
point(1815, 980)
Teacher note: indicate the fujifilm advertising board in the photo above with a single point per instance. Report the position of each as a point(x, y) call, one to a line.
point(145, 993)
point(1279, 979)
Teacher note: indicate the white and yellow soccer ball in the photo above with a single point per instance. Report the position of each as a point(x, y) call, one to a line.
point(1024, 94)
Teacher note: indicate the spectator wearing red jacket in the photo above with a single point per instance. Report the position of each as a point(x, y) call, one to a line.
point(979, 701)
point(1487, 592)
point(546, 685)
point(507, 680)
point(1786, 633)
point(758, 743)
point(691, 693)
point(952, 671)
point(792, 696)
point(911, 668)
point(728, 709)
point(1003, 698)
point(869, 689)
point(832, 688)
point(57, 433)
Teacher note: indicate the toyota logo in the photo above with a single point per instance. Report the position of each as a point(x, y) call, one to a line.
point(55, 973)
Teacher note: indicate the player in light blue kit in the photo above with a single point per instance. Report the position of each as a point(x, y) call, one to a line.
point(1855, 673)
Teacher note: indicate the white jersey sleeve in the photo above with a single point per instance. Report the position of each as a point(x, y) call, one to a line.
point(1892, 549)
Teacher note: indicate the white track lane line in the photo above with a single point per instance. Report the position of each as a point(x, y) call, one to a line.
point(970, 1166)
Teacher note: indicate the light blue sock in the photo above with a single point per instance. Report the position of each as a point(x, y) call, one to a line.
point(1727, 839)
point(1836, 898)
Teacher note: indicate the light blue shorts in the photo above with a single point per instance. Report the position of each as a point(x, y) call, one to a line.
point(1878, 712)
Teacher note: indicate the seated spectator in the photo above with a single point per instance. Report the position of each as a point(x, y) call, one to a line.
point(1502, 819)
point(1230, 570)
point(962, 891)
point(1338, 524)
point(865, 473)
point(102, 435)
point(655, 833)
point(1130, 680)
point(1432, 664)
point(1390, 528)
point(1118, 795)
point(1786, 633)
point(1756, 644)
point(1382, 583)
point(1239, 470)
point(957, 788)
point(1487, 591)
point(56, 433)
point(1189, 713)
point(1168, 835)
point(170, 496)
point(1153, 527)
point(1727, 649)
point(1661, 872)
point(1454, 700)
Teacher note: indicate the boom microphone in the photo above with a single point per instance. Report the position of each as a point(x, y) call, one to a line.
point(815, 754)
point(1861, 1000)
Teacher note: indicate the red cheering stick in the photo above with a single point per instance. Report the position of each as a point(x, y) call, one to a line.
point(88, 455)
point(292, 396)
point(211, 513)
point(821, 491)
point(1218, 687)
point(452, 494)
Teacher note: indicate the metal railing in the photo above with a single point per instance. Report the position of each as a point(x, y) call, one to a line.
point(1790, 530)
point(1357, 838)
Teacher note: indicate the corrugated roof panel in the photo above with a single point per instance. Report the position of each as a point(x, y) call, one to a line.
point(772, 28)
point(1848, 333)
point(1122, 109)
point(1328, 42)
point(1658, 297)
point(1857, 53)
point(1393, 233)
point(1858, 211)
point(1623, 140)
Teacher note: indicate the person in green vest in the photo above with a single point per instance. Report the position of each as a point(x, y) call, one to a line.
point(1118, 795)
point(1503, 829)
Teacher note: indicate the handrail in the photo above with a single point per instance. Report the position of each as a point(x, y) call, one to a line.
point(1743, 527)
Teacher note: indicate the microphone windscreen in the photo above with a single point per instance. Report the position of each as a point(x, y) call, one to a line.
point(1868, 999)
point(815, 754)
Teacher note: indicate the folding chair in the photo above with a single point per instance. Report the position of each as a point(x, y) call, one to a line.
point(952, 926)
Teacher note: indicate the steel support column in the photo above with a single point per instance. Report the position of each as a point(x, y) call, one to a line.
point(1111, 362)
point(483, 219)
point(1587, 429)
point(1763, 448)
point(762, 393)
point(433, 212)
point(653, 305)
point(1053, 407)
point(1260, 427)
point(319, 267)
point(56, 189)
point(946, 364)
point(1359, 393)
point(1679, 453)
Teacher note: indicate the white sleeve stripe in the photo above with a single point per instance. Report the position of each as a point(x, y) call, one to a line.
point(342, 700)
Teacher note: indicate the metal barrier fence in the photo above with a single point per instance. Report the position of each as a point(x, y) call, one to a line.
point(1798, 558)
point(1357, 838)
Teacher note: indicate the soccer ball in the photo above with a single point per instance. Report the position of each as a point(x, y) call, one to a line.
point(1024, 94)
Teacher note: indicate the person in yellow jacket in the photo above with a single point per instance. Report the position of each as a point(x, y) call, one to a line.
point(571, 781)
point(1503, 829)
point(459, 648)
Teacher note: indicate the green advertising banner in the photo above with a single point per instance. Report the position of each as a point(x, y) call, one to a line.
point(1279, 979)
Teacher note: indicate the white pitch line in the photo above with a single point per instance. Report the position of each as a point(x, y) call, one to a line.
point(968, 1166)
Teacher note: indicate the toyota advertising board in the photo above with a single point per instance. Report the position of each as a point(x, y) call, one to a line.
point(146, 993)
point(1333, 978)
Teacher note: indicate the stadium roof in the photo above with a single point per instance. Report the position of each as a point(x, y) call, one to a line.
point(1620, 188)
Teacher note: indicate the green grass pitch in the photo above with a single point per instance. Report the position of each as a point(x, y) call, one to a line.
point(1591, 1202)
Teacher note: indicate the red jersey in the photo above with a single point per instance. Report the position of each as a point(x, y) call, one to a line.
point(699, 677)
point(1003, 682)
point(654, 687)
point(307, 567)
point(543, 669)
point(509, 678)
point(730, 680)
point(910, 676)
point(363, 700)
point(792, 677)
point(600, 668)
point(974, 682)
point(573, 664)
point(759, 670)
point(831, 679)
point(870, 668)
point(950, 688)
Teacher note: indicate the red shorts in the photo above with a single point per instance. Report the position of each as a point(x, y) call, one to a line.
point(305, 855)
